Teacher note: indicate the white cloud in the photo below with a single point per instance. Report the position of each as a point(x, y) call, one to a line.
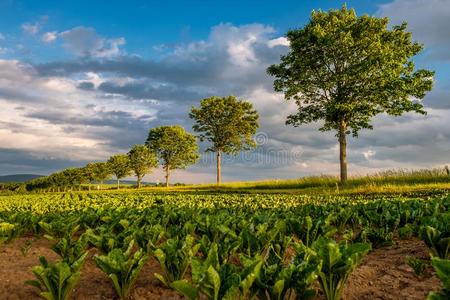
point(105, 105)
point(49, 37)
point(2, 37)
point(427, 19)
point(281, 41)
point(34, 28)
point(369, 153)
point(31, 29)
point(85, 41)
point(58, 120)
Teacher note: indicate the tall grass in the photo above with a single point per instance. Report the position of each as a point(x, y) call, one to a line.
point(379, 180)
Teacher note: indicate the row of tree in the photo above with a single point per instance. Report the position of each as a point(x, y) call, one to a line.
point(341, 70)
point(227, 123)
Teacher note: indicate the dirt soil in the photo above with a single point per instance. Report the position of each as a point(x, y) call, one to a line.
point(383, 274)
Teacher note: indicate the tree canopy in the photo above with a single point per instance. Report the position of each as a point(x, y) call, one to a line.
point(343, 70)
point(142, 160)
point(119, 166)
point(175, 147)
point(227, 123)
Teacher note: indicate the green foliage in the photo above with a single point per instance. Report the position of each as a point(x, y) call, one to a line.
point(344, 67)
point(213, 281)
point(226, 122)
point(338, 261)
point(25, 248)
point(122, 267)
point(174, 257)
point(60, 227)
point(119, 166)
point(57, 280)
point(278, 280)
point(377, 237)
point(344, 70)
point(406, 232)
point(102, 171)
point(175, 147)
point(438, 241)
point(269, 246)
point(416, 264)
point(142, 160)
point(302, 273)
point(205, 279)
point(70, 249)
point(149, 236)
point(89, 172)
point(442, 268)
point(8, 231)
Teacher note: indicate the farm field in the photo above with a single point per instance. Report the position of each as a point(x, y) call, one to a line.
point(207, 243)
point(131, 134)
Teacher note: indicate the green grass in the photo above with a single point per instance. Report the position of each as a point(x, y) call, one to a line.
point(388, 182)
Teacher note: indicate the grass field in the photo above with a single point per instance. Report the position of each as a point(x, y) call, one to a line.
point(394, 181)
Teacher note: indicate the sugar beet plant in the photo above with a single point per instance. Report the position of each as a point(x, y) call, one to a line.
point(122, 267)
point(174, 257)
point(442, 267)
point(212, 280)
point(214, 246)
point(280, 280)
point(57, 280)
point(338, 261)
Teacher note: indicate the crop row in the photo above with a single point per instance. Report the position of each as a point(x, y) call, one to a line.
point(222, 246)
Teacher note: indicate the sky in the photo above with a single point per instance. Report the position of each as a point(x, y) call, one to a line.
point(83, 80)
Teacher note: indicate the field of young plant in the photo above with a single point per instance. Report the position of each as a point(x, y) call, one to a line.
point(219, 246)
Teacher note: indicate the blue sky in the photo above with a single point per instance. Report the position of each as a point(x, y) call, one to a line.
point(146, 24)
point(81, 80)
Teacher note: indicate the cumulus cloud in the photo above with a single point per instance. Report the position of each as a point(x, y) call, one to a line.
point(281, 41)
point(104, 101)
point(49, 37)
point(427, 19)
point(59, 120)
point(86, 42)
point(35, 27)
point(31, 29)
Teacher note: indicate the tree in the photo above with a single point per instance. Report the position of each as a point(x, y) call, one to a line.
point(74, 177)
point(142, 159)
point(119, 166)
point(344, 69)
point(175, 147)
point(226, 122)
point(89, 173)
point(102, 172)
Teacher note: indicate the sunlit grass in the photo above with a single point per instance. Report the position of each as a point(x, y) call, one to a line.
point(387, 182)
point(393, 181)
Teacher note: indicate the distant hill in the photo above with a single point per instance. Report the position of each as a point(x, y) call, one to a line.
point(18, 177)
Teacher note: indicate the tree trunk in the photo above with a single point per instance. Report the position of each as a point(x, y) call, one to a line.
point(219, 179)
point(138, 181)
point(118, 183)
point(167, 176)
point(343, 149)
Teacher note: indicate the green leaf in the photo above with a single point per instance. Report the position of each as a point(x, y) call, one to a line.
point(183, 287)
point(161, 278)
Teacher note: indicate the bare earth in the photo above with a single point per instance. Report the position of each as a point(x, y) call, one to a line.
point(383, 274)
